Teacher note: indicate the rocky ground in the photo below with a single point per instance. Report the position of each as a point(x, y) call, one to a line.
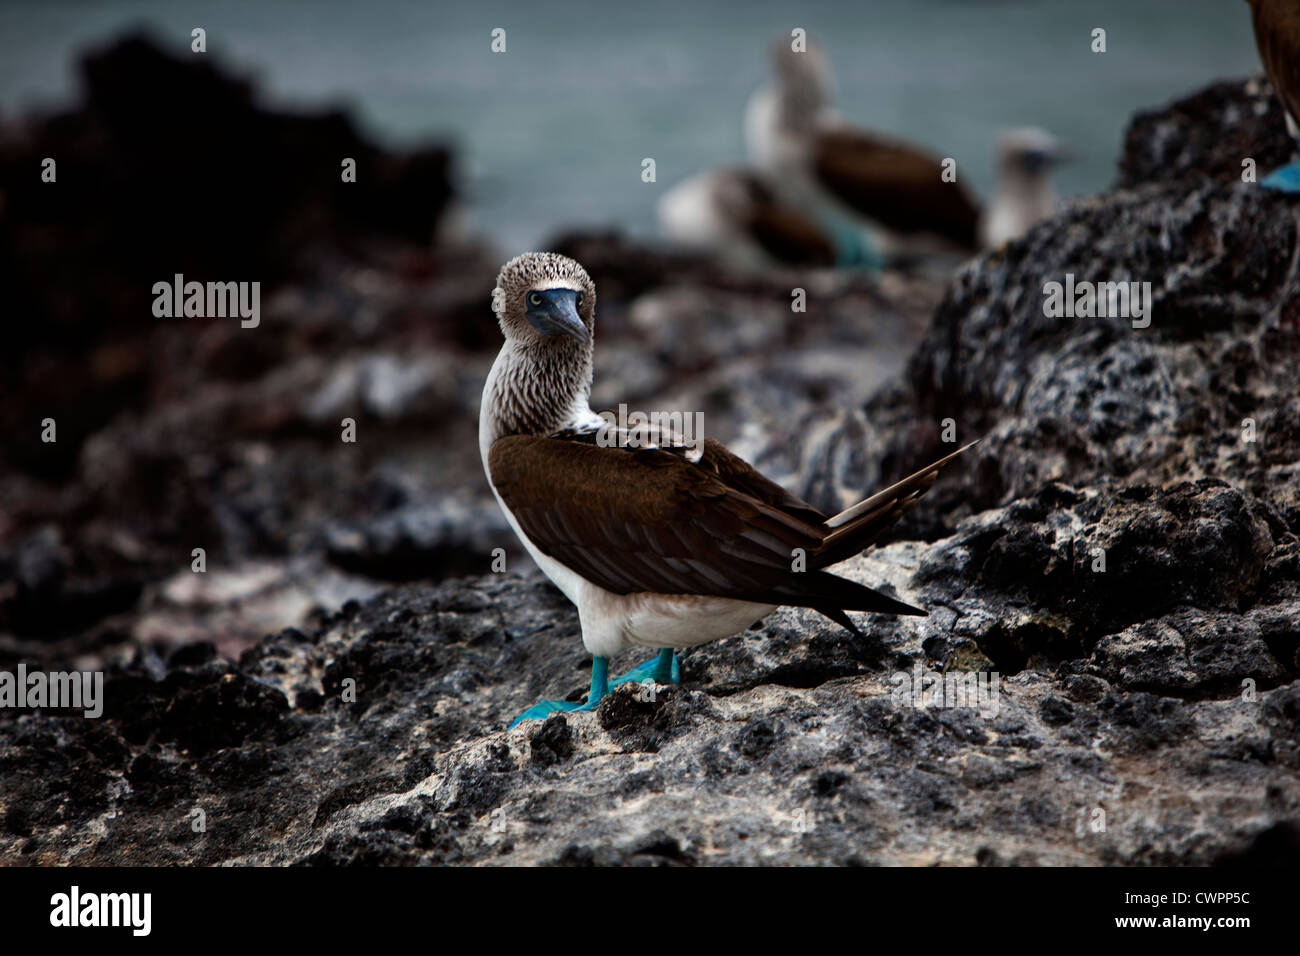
point(1114, 552)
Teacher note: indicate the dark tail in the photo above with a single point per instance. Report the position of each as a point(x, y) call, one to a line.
point(854, 530)
point(832, 595)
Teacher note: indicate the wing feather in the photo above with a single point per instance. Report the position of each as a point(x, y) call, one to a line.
point(647, 520)
point(656, 520)
point(894, 184)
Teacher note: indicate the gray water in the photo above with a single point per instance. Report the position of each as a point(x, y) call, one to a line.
point(553, 131)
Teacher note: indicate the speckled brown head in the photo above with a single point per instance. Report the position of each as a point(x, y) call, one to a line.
point(545, 300)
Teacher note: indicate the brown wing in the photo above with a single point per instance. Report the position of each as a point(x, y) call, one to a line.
point(1277, 35)
point(650, 520)
point(894, 184)
point(779, 229)
point(737, 473)
point(644, 520)
point(782, 231)
point(788, 237)
point(712, 457)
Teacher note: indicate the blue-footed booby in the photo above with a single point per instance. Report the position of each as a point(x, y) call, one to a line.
point(1024, 194)
point(732, 213)
point(659, 542)
point(1277, 35)
point(895, 192)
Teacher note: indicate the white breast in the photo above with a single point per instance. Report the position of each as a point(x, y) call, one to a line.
point(1016, 209)
point(761, 131)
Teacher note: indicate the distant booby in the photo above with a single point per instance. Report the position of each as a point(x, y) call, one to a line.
point(1025, 195)
point(659, 543)
point(895, 190)
point(1277, 35)
point(734, 214)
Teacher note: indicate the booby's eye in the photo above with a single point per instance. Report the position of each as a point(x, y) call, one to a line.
point(579, 300)
point(534, 299)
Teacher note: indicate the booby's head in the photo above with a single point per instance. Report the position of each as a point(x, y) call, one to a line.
point(803, 76)
point(545, 300)
point(1030, 152)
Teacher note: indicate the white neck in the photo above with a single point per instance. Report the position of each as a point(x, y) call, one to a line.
point(1021, 202)
point(534, 392)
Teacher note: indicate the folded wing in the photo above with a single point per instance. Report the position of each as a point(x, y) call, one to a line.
point(894, 184)
point(652, 519)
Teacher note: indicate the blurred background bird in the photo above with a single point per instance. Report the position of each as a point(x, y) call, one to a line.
point(908, 202)
point(1025, 195)
point(892, 190)
point(734, 214)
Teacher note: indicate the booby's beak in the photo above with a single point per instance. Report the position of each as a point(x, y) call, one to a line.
point(1039, 158)
point(555, 312)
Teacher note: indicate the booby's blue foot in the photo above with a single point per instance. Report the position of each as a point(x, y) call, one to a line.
point(664, 669)
point(599, 688)
point(852, 248)
point(544, 708)
point(1284, 180)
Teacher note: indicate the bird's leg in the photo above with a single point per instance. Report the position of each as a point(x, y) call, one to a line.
point(664, 669)
point(599, 680)
point(667, 669)
point(1285, 179)
point(599, 688)
point(852, 247)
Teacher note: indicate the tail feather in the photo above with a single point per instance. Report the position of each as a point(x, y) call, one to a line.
point(854, 529)
point(840, 618)
point(858, 597)
point(822, 591)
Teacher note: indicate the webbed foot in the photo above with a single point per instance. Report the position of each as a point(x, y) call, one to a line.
point(599, 688)
point(544, 708)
